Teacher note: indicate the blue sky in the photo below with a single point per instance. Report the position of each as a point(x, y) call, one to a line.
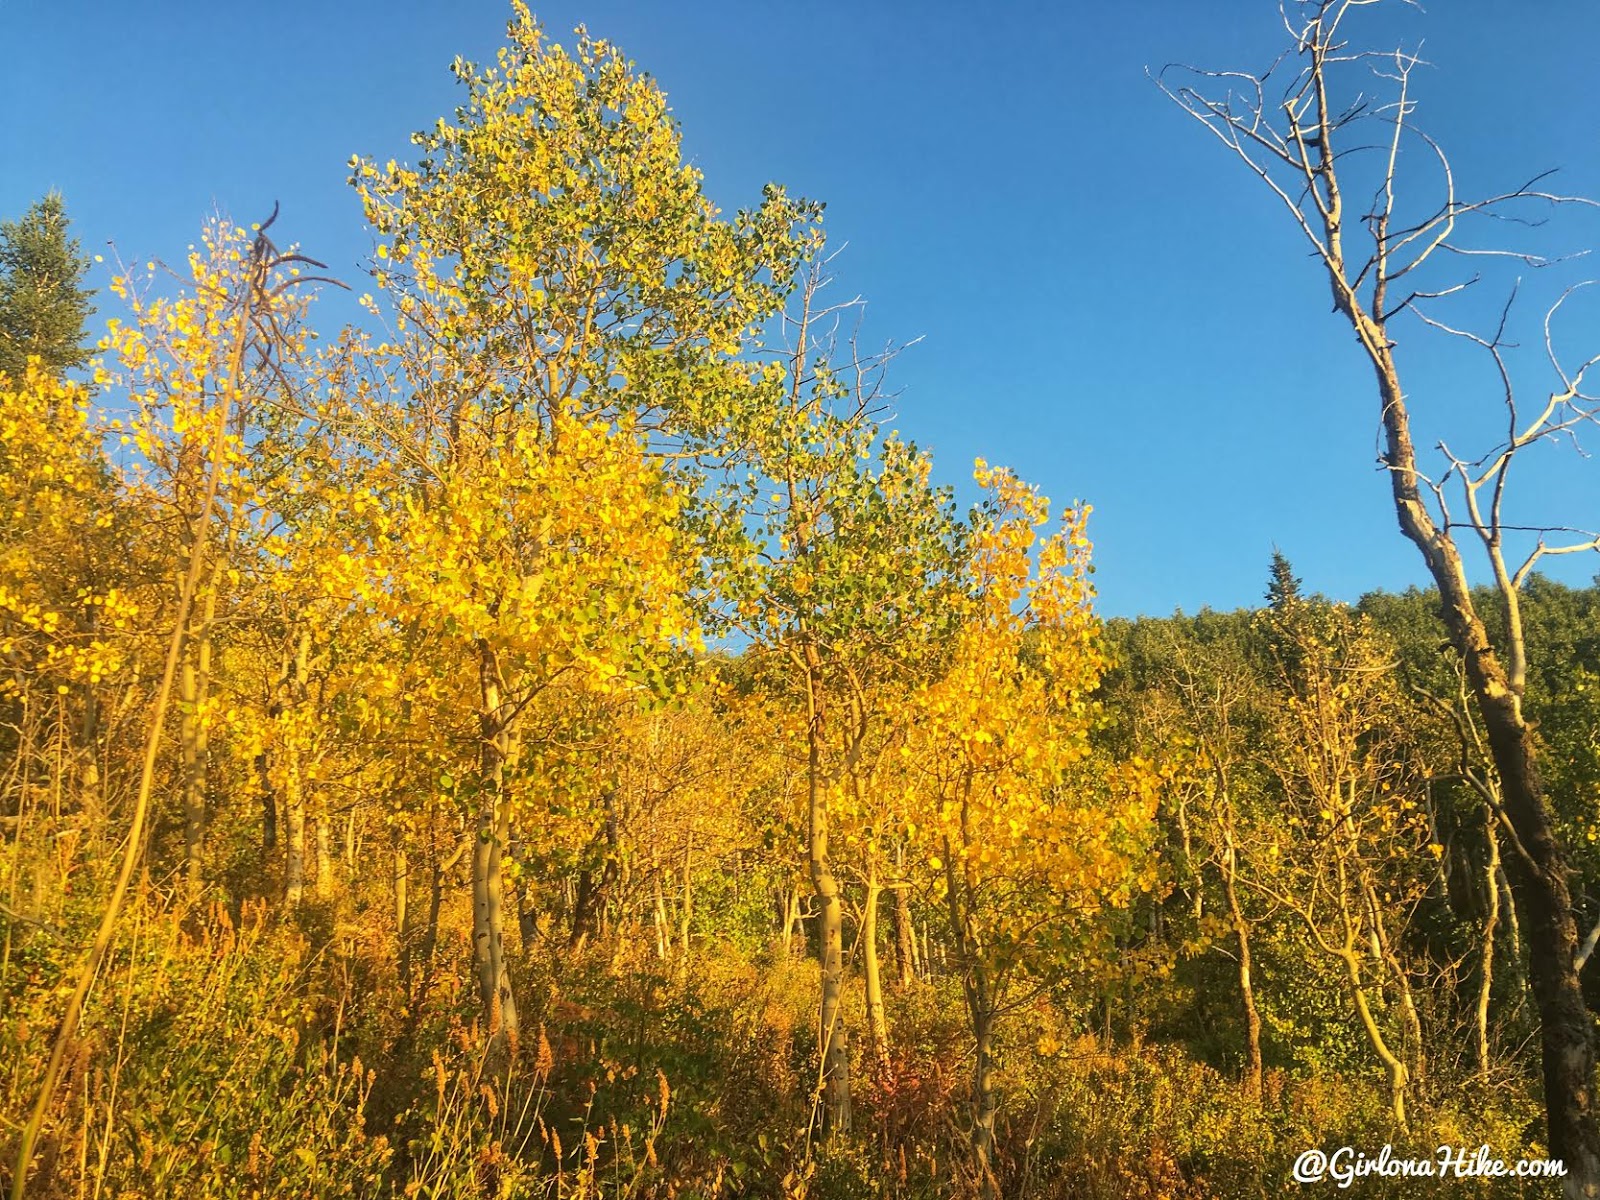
point(1107, 302)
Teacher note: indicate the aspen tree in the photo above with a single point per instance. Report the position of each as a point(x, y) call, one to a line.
point(569, 308)
point(1027, 830)
point(187, 363)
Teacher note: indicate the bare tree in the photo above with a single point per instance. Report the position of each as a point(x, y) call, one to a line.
point(1299, 128)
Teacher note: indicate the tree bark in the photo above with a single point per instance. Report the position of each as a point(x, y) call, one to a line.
point(876, 1021)
point(905, 937)
point(985, 1103)
point(832, 1034)
point(686, 904)
point(269, 804)
point(1399, 1076)
point(596, 886)
point(294, 798)
point(493, 833)
point(1247, 993)
point(194, 688)
point(1418, 1065)
point(660, 909)
point(522, 903)
point(1508, 909)
point(1197, 896)
point(400, 871)
point(438, 871)
point(90, 800)
point(488, 929)
point(613, 876)
point(294, 807)
point(1491, 922)
point(583, 908)
point(787, 903)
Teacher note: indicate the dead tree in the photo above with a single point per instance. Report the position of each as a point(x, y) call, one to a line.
point(1299, 127)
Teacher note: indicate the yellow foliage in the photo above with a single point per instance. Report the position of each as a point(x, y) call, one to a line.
point(1009, 795)
point(60, 624)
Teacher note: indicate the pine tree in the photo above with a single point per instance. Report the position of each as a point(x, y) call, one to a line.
point(43, 308)
point(1283, 586)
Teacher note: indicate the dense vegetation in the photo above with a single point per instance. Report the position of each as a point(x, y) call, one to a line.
point(556, 741)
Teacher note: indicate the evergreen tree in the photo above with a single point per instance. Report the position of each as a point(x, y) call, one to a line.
point(1284, 622)
point(43, 308)
point(1283, 586)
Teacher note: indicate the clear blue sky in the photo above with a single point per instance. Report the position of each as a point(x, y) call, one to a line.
point(1107, 302)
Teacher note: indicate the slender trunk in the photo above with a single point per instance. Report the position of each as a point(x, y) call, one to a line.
point(527, 919)
point(1491, 922)
point(583, 906)
point(400, 872)
point(1441, 875)
point(269, 804)
point(1399, 1076)
point(294, 807)
point(613, 878)
point(88, 773)
point(595, 887)
point(1247, 993)
point(1357, 911)
point(1413, 1020)
point(799, 941)
point(488, 929)
point(905, 933)
point(833, 1035)
point(686, 905)
point(905, 939)
point(660, 917)
point(1509, 909)
point(438, 872)
point(493, 832)
point(876, 1021)
point(294, 798)
point(194, 686)
point(788, 908)
point(985, 1104)
point(1408, 1006)
point(1197, 896)
point(527, 909)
